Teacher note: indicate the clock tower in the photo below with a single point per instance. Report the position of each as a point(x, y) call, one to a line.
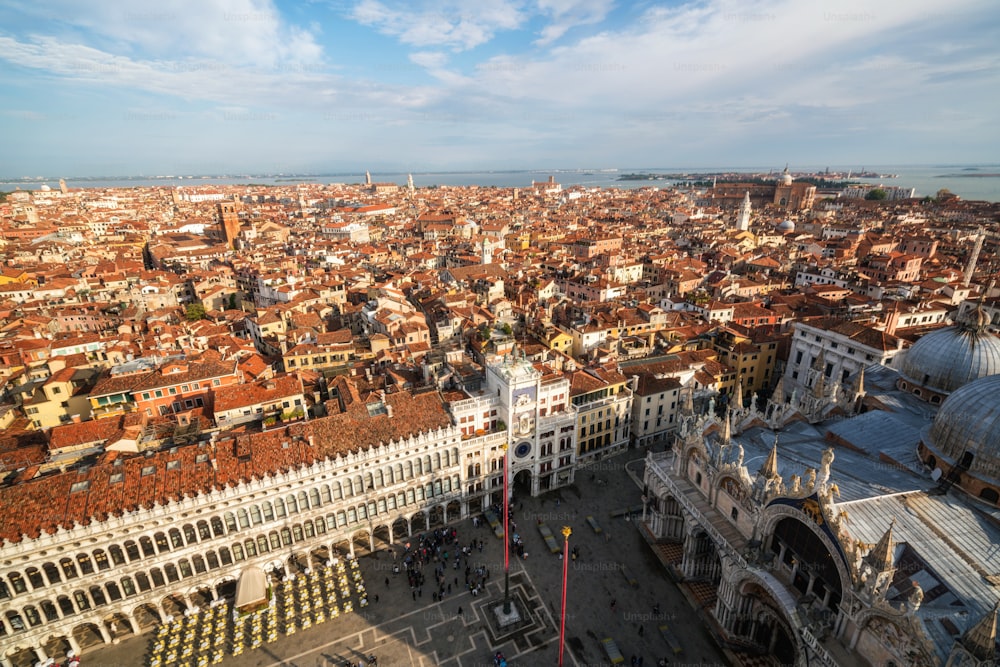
point(534, 402)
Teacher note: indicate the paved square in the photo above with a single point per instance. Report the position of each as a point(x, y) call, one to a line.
point(410, 628)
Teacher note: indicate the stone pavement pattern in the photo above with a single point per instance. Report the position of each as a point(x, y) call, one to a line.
point(403, 631)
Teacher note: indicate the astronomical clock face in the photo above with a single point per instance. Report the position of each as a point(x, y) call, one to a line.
point(522, 449)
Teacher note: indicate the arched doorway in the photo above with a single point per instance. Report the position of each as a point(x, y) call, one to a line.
point(56, 647)
point(807, 562)
point(454, 511)
point(226, 589)
point(319, 555)
point(118, 626)
point(174, 605)
point(522, 486)
point(436, 515)
point(400, 529)
point(146, 616)
point(22, 657)
point(418, 523)
point(201, 597)
point(341, 549)
point(380, 535)
point(88, 635)
point(298, 562)
point(765, 626)
point(362, 542)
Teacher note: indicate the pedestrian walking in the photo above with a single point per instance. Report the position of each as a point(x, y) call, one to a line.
point(414, 595)
point(642, 629)
point(376, 598)
point(459, 611)
point(613, 603)
point(387, 582)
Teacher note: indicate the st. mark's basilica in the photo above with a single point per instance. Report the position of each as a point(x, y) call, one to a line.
point(856, 523)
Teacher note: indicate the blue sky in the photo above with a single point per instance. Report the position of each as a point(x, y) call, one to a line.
point(223, 86)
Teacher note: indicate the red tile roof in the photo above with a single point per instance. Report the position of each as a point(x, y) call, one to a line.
point(47, 502)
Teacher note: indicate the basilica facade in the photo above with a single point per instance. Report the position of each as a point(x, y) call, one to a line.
point(851, 524)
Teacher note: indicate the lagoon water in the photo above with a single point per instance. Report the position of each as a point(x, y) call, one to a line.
point(970, 182)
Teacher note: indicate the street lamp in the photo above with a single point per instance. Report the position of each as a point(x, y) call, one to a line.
point(566, 531)
point(506, 535)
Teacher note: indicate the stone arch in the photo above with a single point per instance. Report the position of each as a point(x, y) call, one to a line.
point(34, 577)
point(119, 625)
point(361, 540)
point(341, 548)
point(52, 573)
point(31, 615)
point(146, 546)
point(435, 516)
point(85, 563)
point(88, 635)
point(298, 561)
point(174, 604)
point(318, 555)
point(101, 559)
point(775, 513)
point(200, 595)
point(20, 655)
point(49, 610)
point(989, 494)
point(454, 509)
point(18, 584)
point(56, 645)
point(732, 485)
point(418, 522)
point(400, 528)
point(767, 613)
point(97, 595)
point(146, 615)
point(68, 567)
point(689, 453)
point(225, 588)
point(381, 536)
point(113, 591)
point(65, 605)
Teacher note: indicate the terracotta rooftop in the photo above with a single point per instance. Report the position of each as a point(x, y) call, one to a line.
point(44, 503)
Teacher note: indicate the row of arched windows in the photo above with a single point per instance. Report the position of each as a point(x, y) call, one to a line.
point(69, 568)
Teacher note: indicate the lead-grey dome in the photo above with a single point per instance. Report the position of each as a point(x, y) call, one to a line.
point(946, 359)
point(968, 426)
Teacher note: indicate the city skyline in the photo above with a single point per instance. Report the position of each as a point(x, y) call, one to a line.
point(252, 86)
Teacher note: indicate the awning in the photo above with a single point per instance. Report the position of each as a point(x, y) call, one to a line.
point(251, 589)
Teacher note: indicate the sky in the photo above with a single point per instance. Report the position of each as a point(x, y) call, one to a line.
point(105, 88)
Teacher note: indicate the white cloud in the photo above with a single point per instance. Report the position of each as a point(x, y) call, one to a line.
point(786, 52)
point(429, 59)
point(448, 23)
point(292, 86)
point(566, 14)
point(234, 32)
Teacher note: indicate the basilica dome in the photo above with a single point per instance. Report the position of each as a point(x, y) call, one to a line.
point(786, 226)
point(966, 430)
point(948, 358)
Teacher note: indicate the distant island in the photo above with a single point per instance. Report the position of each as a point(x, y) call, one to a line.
point(651, 177)
point(976, 175)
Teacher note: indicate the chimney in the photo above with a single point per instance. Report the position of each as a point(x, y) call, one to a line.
point(388, 410)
